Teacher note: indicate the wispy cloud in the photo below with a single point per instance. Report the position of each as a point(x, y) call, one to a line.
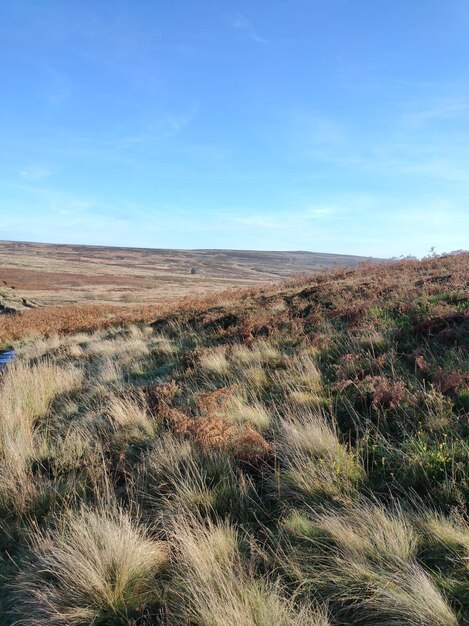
point(322, 211)
point(309, 217)
point(353, 226)
point(243, 24)
point(152, 132)
point(441, 109)
point(149, 138)
point(35, 173)
point(426, 141)
point(56, 85)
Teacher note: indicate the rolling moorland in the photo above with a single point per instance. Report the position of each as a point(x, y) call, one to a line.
point(64, 288)
point(51, 275)
point(288, 454)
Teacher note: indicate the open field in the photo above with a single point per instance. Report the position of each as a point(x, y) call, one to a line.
point(52, 275)
point(292, 455)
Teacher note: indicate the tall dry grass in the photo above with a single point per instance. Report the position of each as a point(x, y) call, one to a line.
point(217, 585)
point(363, 559)
point(316, 464)
point(97, 567)
point(26, 396)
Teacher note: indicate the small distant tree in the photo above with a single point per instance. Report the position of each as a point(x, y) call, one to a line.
point(194, 270)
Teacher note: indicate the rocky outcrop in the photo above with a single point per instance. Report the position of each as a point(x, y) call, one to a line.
point(12, 302)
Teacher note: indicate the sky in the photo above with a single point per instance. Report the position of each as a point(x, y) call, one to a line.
point(336, 126)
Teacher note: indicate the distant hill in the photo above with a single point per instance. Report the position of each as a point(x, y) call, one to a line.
point(52, 274)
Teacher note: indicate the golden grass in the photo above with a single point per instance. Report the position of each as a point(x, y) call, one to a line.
point(365, 555)
point(130, 415)
point(316, 463)
point(209, 558)
point(27, 392)
point(26, 396)
point(215, 362)
point(98, 565)
point(242, 411)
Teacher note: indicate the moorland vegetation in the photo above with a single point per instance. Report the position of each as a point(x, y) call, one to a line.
point(293, 455)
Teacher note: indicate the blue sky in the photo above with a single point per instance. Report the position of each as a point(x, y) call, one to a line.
point(323, 125)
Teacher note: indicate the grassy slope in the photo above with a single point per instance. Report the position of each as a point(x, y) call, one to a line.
point(296, 455)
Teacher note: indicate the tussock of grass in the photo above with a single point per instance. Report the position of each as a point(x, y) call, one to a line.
point(316, 463)
point(26, 396)
point(131, 416)
point(245, 356)
point(109, 370)
point(164, 346)
point(241, 411)
point(370, 531)
point(305, 374)
point(209, 558)
point(27, 392)
point(215, 362)
point(255, 378)
point(96, 568)
point(363, 559)
point(453, 534)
